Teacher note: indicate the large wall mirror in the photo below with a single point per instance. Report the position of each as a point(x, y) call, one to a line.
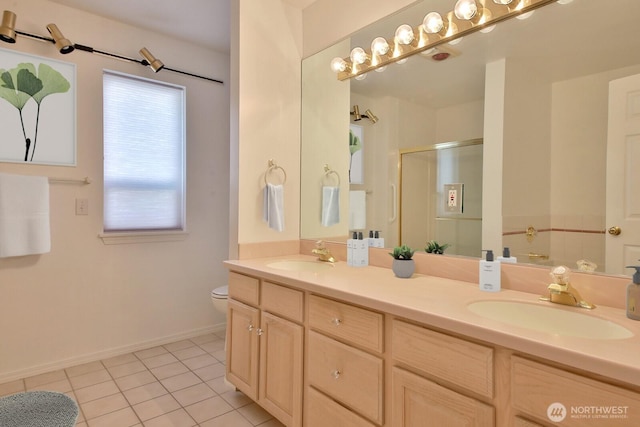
point(535, 91)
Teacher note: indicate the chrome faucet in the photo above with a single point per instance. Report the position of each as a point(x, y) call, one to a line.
point(561, 291)
point(322, 252)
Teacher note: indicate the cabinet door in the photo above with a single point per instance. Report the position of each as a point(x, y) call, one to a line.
point(242, 347)
point(418, 402)
point(281, 368)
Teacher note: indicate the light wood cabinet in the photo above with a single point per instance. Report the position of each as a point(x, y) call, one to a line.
point(420, 402)
point(265, 350)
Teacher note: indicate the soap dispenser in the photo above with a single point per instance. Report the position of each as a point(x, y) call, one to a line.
point(506, 257)
point(633, 295)
point(489, 273)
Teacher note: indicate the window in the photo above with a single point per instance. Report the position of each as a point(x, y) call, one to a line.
point(144, 154)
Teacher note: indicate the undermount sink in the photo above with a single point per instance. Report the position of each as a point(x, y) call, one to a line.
point(549, 319)
point(299, 265)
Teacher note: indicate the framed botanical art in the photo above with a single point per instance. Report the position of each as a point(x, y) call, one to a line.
point(37, 110)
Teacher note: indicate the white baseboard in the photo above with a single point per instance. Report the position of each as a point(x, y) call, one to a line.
point(105, 354)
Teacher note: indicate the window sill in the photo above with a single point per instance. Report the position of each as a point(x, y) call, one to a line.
point(142, 237)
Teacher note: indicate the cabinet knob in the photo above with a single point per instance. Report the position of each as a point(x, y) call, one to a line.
point(250, 327)
point(336, 374)
point(259, 331)
point(336, 321)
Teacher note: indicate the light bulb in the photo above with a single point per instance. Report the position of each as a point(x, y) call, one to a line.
point(402, 61)
point(404, 34)
point(456, 41)
point(379, 46)
point(358, 55)
point(338, 65)
point(428, 51)
point(381, 69)
point(433, 23)
point(502, 1)
point(466, 9)
point(564, 1)
point(361, 76)
point(525, 15)
point(488, 29)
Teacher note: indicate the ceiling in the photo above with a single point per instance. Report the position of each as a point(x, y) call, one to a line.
point(203, 22)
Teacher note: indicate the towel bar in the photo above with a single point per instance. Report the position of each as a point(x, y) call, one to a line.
point(84, 181)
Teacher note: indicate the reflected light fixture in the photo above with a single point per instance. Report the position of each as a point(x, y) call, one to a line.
point(434, 24)
point(356, 114)
point(358, 55)
point(62, 44)
point(339, 65)
point(368, 114)
point(466, 9)
point(379, 46)
point(8, 27)
point(404, 34)
point(154, 63)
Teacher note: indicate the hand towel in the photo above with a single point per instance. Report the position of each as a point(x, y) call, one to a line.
point(273, 212)
point(24, 215)
point(357, 210)
point(330, 206)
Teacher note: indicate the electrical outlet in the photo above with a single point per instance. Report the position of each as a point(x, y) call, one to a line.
point(82, 206)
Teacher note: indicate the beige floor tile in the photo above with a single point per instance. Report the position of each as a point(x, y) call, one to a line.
point(272, 423)
point(61, 386)
point(145, 392)
point(159, 360)
point(12, 387)
point(178, 418)
point(119, 360)
point(92, 378)
point(210, 372)
point(170, 370)
point(230, 419)
point(200, 361)
point(121, 418)
point(96, 391)
point(135, 380)
point(208, 409)
point(220, 386)
point(126, 369)
point(156, 407)
point(179, 345)
point(196, 393)
point(84, 369)
point(150, 352)
point(255, 414)
point(187, 353)
point(205, 338)
point(221, 355)
point(46, 378)
point(181, 381)
point(213, 346)
point(103, 406)
point(237, 399)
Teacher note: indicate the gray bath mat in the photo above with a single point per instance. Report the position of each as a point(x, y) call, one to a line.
point(38, 409)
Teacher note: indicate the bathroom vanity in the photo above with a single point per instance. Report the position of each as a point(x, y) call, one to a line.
point(320, 344)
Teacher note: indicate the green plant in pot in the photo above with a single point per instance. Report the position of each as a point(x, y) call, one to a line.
point(434, 247)
point(403, 264)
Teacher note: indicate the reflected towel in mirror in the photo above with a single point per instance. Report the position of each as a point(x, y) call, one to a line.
point(24, 215)
point(330, 206)
point(273, 212)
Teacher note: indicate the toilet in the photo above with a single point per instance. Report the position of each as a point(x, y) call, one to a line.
point(219, 299)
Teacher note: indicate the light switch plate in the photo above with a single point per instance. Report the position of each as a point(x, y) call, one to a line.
point(82, 206)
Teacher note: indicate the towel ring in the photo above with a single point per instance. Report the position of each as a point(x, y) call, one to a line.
point(328, 171)
point(273, 166)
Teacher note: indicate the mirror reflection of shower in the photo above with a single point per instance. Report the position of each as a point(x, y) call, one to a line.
point(440, 192)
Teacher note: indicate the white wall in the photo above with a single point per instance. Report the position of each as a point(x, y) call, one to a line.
point(86, 300)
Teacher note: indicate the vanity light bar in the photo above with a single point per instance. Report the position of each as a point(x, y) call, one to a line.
point(454, 28)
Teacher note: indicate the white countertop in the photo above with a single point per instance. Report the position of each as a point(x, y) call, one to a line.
point(442, 303)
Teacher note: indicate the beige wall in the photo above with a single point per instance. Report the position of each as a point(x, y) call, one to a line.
point(86, 300)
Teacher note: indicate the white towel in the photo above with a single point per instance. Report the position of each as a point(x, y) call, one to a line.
point(357, 210)
point(24, 215)
point(330, 206)
point(273, 212)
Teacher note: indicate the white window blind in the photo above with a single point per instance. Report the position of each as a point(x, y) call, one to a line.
point(144, 154)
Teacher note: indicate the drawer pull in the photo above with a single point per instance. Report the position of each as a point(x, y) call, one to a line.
point(259, 331)
point(250, 327)
point(336, 374)
point(336, 321)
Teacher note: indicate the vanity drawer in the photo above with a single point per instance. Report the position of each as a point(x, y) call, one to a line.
point(351, 376)
point(353, 324)
point(322, 411)
point(244, 288)
point(535, 386)
point(460, 362)
point(282, 301)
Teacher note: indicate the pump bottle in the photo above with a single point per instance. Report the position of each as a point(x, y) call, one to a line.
point(489, 274)
point(633, 295)
point(506, 257)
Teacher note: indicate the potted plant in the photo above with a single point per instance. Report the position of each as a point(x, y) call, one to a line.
point(403, 265)
point(434, 247)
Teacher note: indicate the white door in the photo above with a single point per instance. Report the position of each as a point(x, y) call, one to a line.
point(623, 176)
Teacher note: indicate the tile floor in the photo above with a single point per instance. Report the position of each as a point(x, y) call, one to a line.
point(179, 385)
